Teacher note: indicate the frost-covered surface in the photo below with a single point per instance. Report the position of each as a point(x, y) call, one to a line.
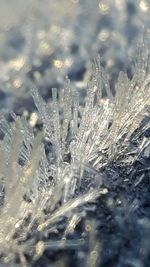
point(42, 41)
point(74, 168)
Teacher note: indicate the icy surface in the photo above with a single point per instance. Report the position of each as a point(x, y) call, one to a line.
point(74, 146)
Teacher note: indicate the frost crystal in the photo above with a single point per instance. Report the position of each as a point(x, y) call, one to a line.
point(46, 175)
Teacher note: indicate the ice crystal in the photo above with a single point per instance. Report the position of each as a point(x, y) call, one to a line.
point(48, 172)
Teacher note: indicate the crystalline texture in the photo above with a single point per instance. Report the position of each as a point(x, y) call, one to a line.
point(48, 186)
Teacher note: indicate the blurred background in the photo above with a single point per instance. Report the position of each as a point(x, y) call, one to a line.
point(43, 41)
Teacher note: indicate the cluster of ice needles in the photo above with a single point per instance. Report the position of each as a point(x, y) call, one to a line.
point(49, 170)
